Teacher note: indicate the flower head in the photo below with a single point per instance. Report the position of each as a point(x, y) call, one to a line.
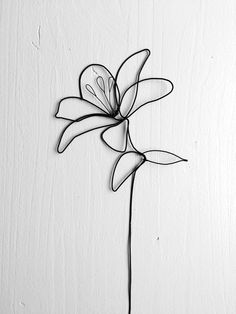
point(107, 101)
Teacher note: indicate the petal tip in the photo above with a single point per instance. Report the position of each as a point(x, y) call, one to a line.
point(59, 150)
point(148, 51)
point(60, 147)
point(113, 188)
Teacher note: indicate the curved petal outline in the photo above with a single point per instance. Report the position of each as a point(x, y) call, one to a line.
point(126, 135)
point(143, 80)
point(75, 121)
point(138, 73)
point(164, 151)
point(76, 97)
point(116, 110)
point(125, 178)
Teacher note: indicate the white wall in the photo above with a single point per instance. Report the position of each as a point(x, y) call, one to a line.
point(63, 233)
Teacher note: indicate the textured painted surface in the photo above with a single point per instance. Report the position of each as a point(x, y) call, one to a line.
point(62, 232)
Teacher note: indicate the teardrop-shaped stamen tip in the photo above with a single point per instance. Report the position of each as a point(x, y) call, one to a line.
point(100, 83)
point(90, 89)
point(110, 83)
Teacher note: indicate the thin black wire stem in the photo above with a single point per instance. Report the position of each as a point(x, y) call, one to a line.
point(129, 245)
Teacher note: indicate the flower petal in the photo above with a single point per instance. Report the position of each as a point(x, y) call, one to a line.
point(149, 90)
point(124, 167)
point(81, 126)
point(73, 108)
point(97, 85)
point(130, 69)
point(115, 136)
point(162, 157)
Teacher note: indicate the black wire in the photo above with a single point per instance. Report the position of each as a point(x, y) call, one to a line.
point(76, 121)
point(116, 114)
point(125, 139)
point(129, 114)
point(148, 52)
point(116, 89)
point(166, 163)
point(130, 243)
point(135, 168)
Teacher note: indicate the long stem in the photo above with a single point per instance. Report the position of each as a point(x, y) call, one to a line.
point(129, 247)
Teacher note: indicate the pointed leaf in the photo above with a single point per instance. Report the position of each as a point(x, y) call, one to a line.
point(73, 108)
point(81, 126)
point(124, 167)
point(162, 157)
point(149, 90)
point(116, 136)
point(130, 69)
point(95, 86)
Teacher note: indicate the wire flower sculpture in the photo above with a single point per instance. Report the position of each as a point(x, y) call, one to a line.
point(107, 102)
